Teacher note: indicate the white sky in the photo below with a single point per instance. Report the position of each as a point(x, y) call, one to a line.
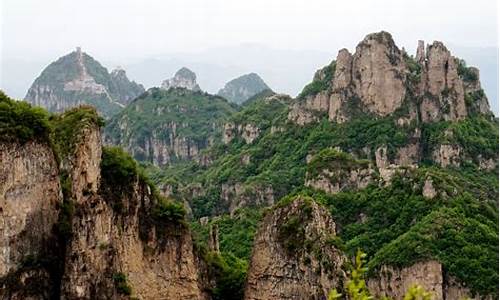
point(119, 29)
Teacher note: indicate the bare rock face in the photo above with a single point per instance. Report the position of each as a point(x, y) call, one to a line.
point(428, 190)
point(157, 260)
point(379, 74)
point(159, 263)
point(84, 164)
point(184, 78)
point(394, 283)
point(447, 155)
point(444, 96)
point(283, 263)
point(29, 200)
point(249, 132)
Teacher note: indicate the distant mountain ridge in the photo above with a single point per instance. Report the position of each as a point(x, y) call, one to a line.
point(76, 79)
point(243, 88)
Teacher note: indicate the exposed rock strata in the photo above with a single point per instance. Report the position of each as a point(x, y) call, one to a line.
point(277, 273)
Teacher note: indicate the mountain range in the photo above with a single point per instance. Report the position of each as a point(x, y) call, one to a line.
point(259, 195)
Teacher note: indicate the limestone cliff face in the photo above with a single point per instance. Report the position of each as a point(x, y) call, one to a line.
point(286, 263)
point(394, 283)
point(443, 90)
point(184, 78)
point(157, 260)
point(379, 79)
point(378, 73)
point(77, 79)
point(113, 232)
point(248, 132)
point(30, 197)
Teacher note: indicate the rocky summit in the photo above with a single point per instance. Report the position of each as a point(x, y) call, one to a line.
point(243, 88)
point(77, 79)
point(184, 78)
point(382, 175)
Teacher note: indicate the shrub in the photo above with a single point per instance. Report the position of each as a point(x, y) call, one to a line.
point(121, 284)
point(21, 122)
point(68, 125)
point(168, 210)
point(464, 72)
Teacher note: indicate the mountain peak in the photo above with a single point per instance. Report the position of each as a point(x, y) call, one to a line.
point(243, 88)
point(77, 78)
point(381, 80)
point(183, 78)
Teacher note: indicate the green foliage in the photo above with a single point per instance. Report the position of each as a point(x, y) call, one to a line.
point(400, 227)
point(230, 275)
point(21, 122)
point(236, 233)
point(118, 172)
point(68, 126)
point(414, 67)
point(64, 223)
point(321, 82)
point(177, 113)
point(333, 159)
point(121, 284)
point(168, 210)
point(476, 135)
point(292, 232)
point(357, 289)
point(465, 72)
point(465, 243)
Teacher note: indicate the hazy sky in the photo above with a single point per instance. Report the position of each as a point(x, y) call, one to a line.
point(126, 29)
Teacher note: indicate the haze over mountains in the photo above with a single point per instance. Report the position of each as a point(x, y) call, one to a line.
point(285, 71)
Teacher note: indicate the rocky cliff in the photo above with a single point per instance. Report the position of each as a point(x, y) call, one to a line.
point(77, 79)
point(294, 256)
point(395, 282)
point(243, 88)
point(80, 222)
point(379, 79)
point(184, 78)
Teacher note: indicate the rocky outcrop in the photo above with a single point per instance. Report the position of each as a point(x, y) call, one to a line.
point(184, 78)
point(379, 79)
point(447, 155)
point(335, 171)
point(292, 257)
point(430, 275)
point(248, 132)
point(243, 88)
point(378, 73)
point(128, 90)
point(443, 90)
point(30, 197)
point(77, 79)
point(91, 237)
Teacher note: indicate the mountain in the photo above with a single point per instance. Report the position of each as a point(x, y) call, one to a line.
point(391, 154)
point(183, 78)
point(396, 147)
point(77, 79)
point(163, 126)
point(242, 88)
